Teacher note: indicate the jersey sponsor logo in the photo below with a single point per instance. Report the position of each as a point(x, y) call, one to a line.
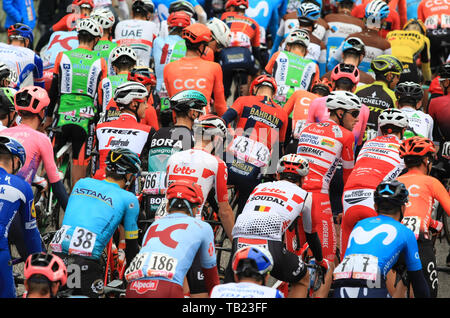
point(310, 150)
point(327, 142)
point(256, 11)
point(362, 237)
point(261, 208)
point(190, 83)
point(119, 131)
point(308, 139)
point(183, 170)
point(283, 68)
point(130, 33)
point(94, 194)
point(432, 3)
point(143, 286)
point(164, 235)
point(257, 114)
point(164, 142)
point(356, 196)
point(91, 84)
point(112, 142)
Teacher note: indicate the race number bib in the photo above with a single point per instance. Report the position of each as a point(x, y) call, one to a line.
point(299, 125)
point(357, 266)
point(161, 265)
point(82, 242)
point(240, 39)
point(58, 238)
point(135, 270)
point(155, 183)
point(250, 151)
point(412, 223)
point(445, 21)
point(432, 22)
point(281, 94)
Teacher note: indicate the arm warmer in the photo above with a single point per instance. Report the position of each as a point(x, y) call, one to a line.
point(315, 246)
point(419, 284)
point(60, 193)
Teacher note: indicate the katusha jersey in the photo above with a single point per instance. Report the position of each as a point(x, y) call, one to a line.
point(271, 209)
point(169, 247)
point(94, 211)
point(25, 65)
point(244, 290)
point(325, 145)
point(60, 41)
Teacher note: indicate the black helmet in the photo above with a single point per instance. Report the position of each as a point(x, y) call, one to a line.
point(7, 100)
point(185, 100)
point(444, 71)
point(409, 89)
point(123, 161)
point(143, 6)
point(393, 191)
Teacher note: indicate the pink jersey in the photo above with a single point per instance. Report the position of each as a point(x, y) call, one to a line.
point(37, 147)
point(318, 112)
point(203, 168)
point(325, 145)
point(378, 160)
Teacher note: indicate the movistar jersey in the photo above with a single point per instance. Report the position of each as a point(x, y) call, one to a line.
point(94, 211)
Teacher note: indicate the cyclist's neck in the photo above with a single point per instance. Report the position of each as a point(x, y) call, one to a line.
point(121, 183)
point(422, 169)
point(185, 122)
point(85, 46)
point(192, 54)
point(31, 122)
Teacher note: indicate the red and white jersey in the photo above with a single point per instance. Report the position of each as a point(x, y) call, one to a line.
point(139, 35)
point(203, 168)
point(325, 145)
point(378, 160)
point(271, 209)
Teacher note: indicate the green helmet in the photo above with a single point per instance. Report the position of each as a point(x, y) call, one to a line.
point(188, 99)
point(386, 63)
point(7, 100)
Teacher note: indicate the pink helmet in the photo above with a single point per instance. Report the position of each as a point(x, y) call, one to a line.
point(349, 71)
point(31, 99)
point(49, 265)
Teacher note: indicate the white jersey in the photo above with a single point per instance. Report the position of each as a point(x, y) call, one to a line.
point(271, 209)
point(419, 123)
point(244, 290)
point(139, 35)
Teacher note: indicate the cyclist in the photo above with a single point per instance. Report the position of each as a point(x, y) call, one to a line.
point(105, 46)
point(20, 34)
point(408, 45)
point(377, 161)
point(85, 230)
point(171, 245)
point(418, 154)
point(342, 24)
point(166, 7)
point(409, 100)
point(123, 59)
point(7, 109)
point(44, 274)
point(260, 133)
point(17, 199)
point(251, 266)
point(353, 52)
point(80, 9)
point(78, 74)
point(221, 36)
point(369, 257)
point(176, 6)
point(379, 95)
point(126, 131)
point(193, 72)
point(138, 32)
point(290, 69)
point(325, 145)
point(282, 201)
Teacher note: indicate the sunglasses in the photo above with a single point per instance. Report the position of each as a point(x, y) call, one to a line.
point(354, 113)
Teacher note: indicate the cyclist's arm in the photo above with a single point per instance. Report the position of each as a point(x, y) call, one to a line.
point(225, 212)
point(208, 260)
point(28, 214)
point(201, 14)
point(311, 237)
point(348, 157)
point(131, 228)
point(425, 57)
point(220, 104)
point(38, 72)
point(230, 115)
point(419, 284)
point(442, 195)
point(271, 63)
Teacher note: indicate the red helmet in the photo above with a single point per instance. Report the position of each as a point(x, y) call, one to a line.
point(416, 146)
point(322, 85)
point(179, 19)
point(349, 71)
point(31, 99)
point(185, 190)
point(263, 80)
point(83, 3)
point(143, 75)
point(196, 33)
point(242, 4)
point(49, 265)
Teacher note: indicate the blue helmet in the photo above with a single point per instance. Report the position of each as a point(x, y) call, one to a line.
point(13, 147)
point(377, 9)
point(309, 10)
point(252, 259)
point(22, 30)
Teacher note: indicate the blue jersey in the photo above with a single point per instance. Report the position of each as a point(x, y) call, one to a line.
point(411, 9)
point(267, 13)
point(94, 211)
point(162, 7)
point(60, 41)
point(374, 247)
point(169, 248)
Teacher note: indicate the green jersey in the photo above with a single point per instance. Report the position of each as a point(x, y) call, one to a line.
point(104, 49)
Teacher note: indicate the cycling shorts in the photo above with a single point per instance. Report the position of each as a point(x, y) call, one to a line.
point(153, 288)
point(195, 277)
point(235, 58)
point(78, 137)
point(360, 292)
point(336, 189)
point(410, 73)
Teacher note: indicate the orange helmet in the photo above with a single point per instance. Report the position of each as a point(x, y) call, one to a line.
point(416, 146)
point(197, 33)
point(179, 19)
point(263, 80)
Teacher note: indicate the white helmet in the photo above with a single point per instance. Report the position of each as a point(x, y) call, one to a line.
point(394, 117)
point(293, 163)
point(220, 31)
point(377, 9)
point(122, 50)
point(300, 36)
point(129, 91)
point(343, 100)
point(104, 16)
point(91, 26)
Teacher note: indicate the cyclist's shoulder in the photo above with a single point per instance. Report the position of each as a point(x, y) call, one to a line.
point(14, 187)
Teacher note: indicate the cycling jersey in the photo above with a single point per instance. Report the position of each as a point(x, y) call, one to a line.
point(196, 73)
point(106, 91)
point(203, 168)
point(378, 97)
point(245, 32)
point(434, 13)
point(291, 72)
point(439, 110)
point(244, 290)
point(162, 7)
point(267, 14)
point(392, 22)
point(297, 107)
point(419, 123)
point(168, 250)
point(139, 35)
point(95, 210)
point(38, 148)
point(59, 41)
point(104, 49)
point(68, 22)
point(25, 65)
point(16, 196)
point(123, 132)
point(412, 7)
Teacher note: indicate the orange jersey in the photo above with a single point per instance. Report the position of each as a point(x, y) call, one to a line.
point(423, 189)
point(297, 107)
point(199, 74)
point(245, 31)
point(151, 117)
point(434, 13)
